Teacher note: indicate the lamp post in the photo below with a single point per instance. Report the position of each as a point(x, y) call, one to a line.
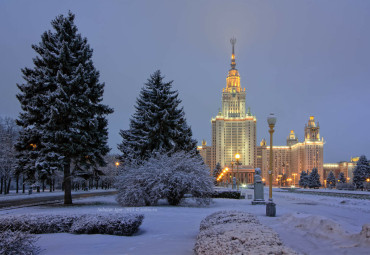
point(270, 205)
point(294, 179)
point(280, 178)
point(232, 173)
point(237, 157)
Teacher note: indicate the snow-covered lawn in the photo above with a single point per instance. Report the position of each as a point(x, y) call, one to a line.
point(19, 196)
point(173, 230)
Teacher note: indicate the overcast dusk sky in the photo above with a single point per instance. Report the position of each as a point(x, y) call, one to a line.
point(295, 58)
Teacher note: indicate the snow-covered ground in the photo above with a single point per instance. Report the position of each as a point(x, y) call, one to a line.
point(309, 224)
point(19, 196)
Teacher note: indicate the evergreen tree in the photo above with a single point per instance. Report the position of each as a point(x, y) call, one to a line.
point(63, 120)
point(314, 179)
point(341, 178)
point(330, 180)
point(158, 123)
point(216, 172)
point(361, 172)
point(303, 180)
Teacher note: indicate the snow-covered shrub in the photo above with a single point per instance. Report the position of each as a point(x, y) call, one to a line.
point(165, 176)
point(111, 224)
point(234, 232)
point(37, 223)
point(226, 194)
point(18, 243)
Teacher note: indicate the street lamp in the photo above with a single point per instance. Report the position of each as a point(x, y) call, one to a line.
point(232, 173)
point(270, 205)
point(280, 176)
point(294, 179)
point(237, 157)
point(117, 164)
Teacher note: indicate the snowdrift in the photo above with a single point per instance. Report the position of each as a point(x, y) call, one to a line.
point(235, 232)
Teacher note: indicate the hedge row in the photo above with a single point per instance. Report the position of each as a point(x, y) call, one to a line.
point(109, 223)
point(227, 194)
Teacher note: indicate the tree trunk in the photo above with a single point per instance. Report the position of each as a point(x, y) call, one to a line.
point(43, 185)
point(4, 180)
point(17, 178)
point(51, 185)
point(7, 191)
point(67, 182)
point(23, 185)
point(1, 188)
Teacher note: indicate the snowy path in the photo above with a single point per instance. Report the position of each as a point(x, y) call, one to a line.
point(172, 230)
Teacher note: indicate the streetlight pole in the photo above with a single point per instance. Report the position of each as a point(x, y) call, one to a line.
point(270, 205)
point(232, 173)
point(294, 179)
point(237, 157)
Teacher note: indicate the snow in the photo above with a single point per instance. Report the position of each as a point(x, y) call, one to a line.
point(233, 232)
point(19, 196)
point(173, 230)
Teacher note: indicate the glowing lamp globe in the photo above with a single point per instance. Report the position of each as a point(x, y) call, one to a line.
point(271, 119)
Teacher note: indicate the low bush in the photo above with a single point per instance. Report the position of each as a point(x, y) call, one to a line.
point(106, 224)
point(165, 176)
point(18, 243)
point(345, 186)
point(112, 224)
point(227, 194)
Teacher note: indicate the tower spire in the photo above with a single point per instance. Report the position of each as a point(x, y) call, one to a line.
point(233, 64)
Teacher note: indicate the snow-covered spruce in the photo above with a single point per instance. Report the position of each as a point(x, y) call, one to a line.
point(18, 243)
point(314, 179)
point(361, 172)
point(235, 232)
point(109, 223)
point(330, 180)
point(165, 176)
point(158, 124)
point(63, 120)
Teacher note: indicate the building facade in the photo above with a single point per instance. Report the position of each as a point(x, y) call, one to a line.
point(292, 159)
point(345, 167)
point(234, 132)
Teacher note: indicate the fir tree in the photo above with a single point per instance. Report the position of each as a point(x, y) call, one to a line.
point(158, 123)
point(330, 180)
point(314, 179)
point(63, 120)
point(303, 180)
point(361, 172)
point(216, 173)
point(341, 178)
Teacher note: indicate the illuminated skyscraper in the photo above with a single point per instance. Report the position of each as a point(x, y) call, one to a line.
point(234, 128)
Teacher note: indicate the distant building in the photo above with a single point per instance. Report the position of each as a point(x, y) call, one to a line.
point(345, 167)
point(296, 156)
point(234, 132)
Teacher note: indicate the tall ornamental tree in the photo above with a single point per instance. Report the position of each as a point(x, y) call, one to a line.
point(303, 180)
point(158, 123)
point(330, 180)
point(361, 172)
point(341, 178)
point(314, 179)
point(64, 122)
